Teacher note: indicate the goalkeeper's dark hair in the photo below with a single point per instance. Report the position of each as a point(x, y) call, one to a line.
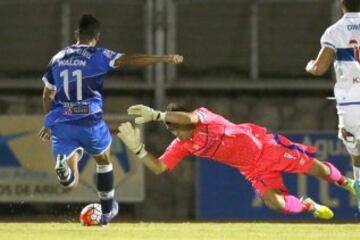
point(173, 107)
point(352, 5)
point(88, 27)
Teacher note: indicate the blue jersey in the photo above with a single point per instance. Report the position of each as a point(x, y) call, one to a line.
point(77, 75)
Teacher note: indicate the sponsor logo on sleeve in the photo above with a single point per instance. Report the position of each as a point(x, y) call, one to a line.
point(108, 53)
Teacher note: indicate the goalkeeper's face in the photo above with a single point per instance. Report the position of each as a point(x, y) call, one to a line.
point(183, 132)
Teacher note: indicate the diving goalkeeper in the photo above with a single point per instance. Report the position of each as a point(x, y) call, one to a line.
point(260, 156)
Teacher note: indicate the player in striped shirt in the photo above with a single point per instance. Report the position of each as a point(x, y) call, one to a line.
point(341, 44)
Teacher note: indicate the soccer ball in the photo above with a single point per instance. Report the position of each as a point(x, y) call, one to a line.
point(90, 215)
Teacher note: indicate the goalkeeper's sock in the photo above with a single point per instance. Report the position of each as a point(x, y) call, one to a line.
point(105, 186)
point(335, 176)
point(294, 205)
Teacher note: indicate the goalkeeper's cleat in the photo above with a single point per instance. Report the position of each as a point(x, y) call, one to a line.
point(62, 168)
point(107, 217)
point(357, 191)
point(318, 210)
point(349, 185)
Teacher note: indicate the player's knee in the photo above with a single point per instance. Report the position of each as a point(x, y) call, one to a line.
point(103, 159)
point(274, 201)
point(274, 204)
point(319, 169)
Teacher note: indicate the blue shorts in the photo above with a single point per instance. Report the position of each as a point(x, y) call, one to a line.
point(79, 136)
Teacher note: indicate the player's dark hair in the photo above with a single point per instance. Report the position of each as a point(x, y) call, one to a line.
point(352, 5)
point(173, 107)
point(88, 27)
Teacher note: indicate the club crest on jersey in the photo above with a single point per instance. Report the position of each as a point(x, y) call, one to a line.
point(355, 43)
point(289, 156)
point(302, 161)
point(196, 146)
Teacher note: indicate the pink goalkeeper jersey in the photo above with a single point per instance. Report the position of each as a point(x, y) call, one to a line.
point(220, 140)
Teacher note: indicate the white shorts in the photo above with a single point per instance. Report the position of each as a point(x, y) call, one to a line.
point(349, 120)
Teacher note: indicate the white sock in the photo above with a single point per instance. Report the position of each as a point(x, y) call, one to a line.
point(356, 170)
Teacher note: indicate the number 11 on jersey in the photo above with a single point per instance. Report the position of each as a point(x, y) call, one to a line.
point(76, 74)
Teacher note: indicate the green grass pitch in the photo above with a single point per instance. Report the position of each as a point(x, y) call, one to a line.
point(246, 231)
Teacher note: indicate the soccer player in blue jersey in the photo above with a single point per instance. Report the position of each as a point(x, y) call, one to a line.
point(72, 102)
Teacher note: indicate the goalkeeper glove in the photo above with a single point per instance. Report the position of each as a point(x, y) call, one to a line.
point(131, 137)
point(147, 114)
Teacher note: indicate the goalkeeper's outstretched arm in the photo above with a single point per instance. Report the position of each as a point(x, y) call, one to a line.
point(154, 164)
point(131, 137)
point(146, 114)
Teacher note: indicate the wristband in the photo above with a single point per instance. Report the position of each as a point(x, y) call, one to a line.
point(142, 152)
point(160, 116)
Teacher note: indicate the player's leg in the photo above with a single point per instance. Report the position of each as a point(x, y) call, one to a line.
point(67, 169)
point(98, 145)
point(274, 199)
point(299, 158)
point(271, 189)
point(356, 171)
point(283, 202)
point(353, 147)
point(286, 156)
point(67, 153)
point(356, 166)
point(275, 196)
point(105, 186)
point(330, 173)
point(349, 133)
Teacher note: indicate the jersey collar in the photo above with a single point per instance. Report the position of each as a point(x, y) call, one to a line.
point(81, 45)
point(352, 15)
